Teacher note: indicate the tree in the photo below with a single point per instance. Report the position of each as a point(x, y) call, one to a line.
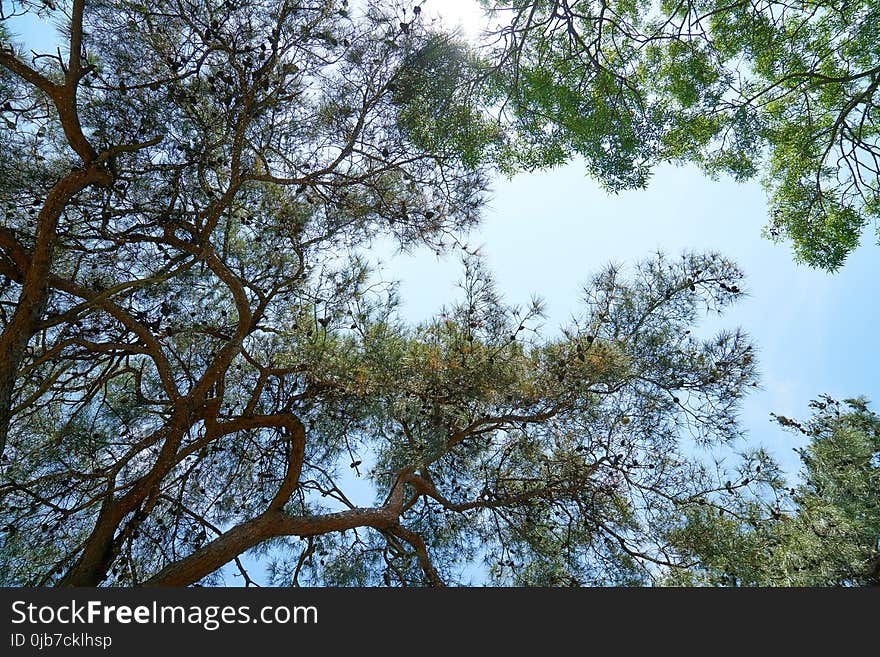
point(197, 361)
point(823, 532)
point(788, 90)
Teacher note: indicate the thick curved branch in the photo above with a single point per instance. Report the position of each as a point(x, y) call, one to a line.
point(270, 524)
point(34, 287)
point(418, 544)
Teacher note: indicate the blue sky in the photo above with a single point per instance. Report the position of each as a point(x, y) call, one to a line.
point(547, 232)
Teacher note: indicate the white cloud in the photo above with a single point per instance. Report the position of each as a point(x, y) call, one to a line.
point(464, 14)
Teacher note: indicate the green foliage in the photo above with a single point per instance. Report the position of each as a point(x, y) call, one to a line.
point(441, 109)
point(541, 455)
point(785, 92)
point(823, 532)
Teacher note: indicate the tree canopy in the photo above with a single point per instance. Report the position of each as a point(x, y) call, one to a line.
point(784, 90)
point(823, 532)
point(197, 362)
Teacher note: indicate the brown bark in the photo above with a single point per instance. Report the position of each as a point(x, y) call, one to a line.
point(274, 522)
point(98, 552)
point(35, 285)
point(32, 299)
point(251, 533)
point(418, 544)
point(90, 568)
